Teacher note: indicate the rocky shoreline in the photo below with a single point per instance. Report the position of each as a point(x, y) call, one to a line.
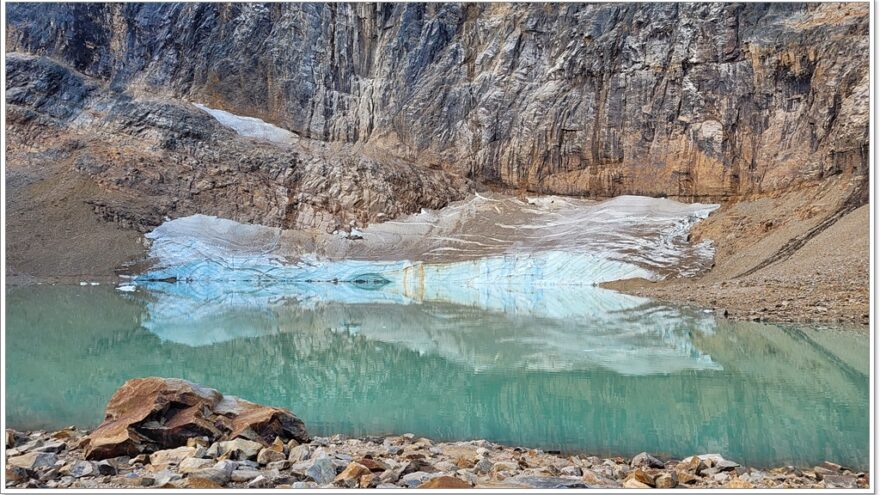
point(168, 433)
point(56, 460)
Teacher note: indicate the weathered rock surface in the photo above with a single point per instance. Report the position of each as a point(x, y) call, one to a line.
point(398, 107)
point(682, 99)
point(151, 414)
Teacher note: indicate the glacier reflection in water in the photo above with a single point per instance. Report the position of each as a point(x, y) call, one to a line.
point(580, 327)
point(533, 376)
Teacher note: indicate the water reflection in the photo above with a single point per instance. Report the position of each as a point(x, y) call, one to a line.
point(634, 376)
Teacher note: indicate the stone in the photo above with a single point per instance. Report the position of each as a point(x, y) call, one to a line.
point(840, 481)
point(171, 456)
point(691, 464)
point(415, 479)
point(192, 464)
point(546, 482)
point(238, 449)
point(133, 480)
point(646, 460)
point(78, 469)
point(229, 466)
point(17, 474)
point(259, 482)
point(268, 455)
point(351, 475)
point(504, 466)
point(166, 479)
point(571, 471)
point(131, 426)
point(666, 480)
point(739, 483)
point(641, 476)
point(10, 438)
point(203, 483)
point(105, 468)
point(368, 480)
point(322, 470)
point(374, 465)
point(218, 476)
point(52, 447)
point(279, 465)
point(445, 482)
point(634, 483)
point(483, 466)
point(33, 460)
point(244, 475)
point(299, 453)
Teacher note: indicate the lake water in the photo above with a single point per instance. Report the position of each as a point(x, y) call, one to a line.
point(576, 369)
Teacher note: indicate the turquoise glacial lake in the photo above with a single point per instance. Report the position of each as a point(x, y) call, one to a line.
point(574, 369)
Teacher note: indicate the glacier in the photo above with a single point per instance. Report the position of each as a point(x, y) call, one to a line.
point(486, 240)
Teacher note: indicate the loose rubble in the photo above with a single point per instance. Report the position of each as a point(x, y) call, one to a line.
point(401, 461)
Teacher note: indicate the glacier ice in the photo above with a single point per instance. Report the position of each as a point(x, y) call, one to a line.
point(250, 126)
point(447, 277)
point(489, 239)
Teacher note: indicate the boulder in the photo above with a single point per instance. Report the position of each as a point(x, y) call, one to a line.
point(634, 483)
point(149, 414)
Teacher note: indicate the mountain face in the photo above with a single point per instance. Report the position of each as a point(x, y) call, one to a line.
point(404, 106)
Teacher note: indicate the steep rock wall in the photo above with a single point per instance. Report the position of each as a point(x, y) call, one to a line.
point(690, 100)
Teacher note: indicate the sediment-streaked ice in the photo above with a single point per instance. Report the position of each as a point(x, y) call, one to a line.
point(489, 239)
point(250, 126)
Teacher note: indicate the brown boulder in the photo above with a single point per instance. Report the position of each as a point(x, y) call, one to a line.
point(149, 414)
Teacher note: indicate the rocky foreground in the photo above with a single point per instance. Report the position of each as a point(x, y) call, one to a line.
point(175, 434)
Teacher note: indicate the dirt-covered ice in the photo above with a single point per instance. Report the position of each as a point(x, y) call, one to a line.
point(487, 239)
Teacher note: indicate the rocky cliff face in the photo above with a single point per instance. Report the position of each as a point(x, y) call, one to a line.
point(400, 106)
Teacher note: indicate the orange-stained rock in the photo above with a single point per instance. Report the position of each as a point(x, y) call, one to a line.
point(374, 465)
point(445, 482)
point(352, 473)
point(149, 414)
